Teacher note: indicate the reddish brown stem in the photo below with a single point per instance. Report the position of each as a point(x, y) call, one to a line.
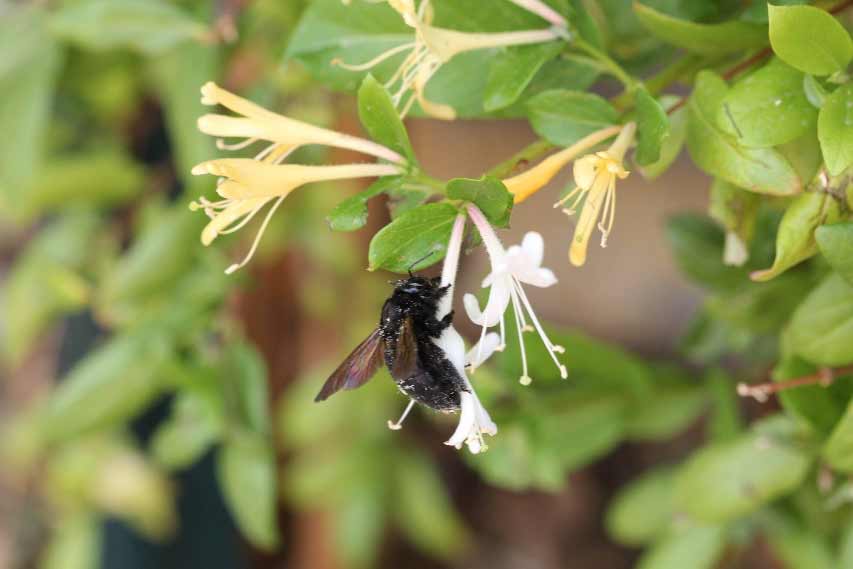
point(762, 391)
point(758, 57)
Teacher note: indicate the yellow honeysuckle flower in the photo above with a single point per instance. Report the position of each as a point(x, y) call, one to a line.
point(247, 185)
point(285, 134)
point(432, 48)
point(595, 176)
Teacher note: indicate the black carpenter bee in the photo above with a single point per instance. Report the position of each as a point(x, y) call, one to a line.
point(404, 339)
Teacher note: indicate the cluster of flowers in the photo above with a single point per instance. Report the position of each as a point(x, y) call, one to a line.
point(246, 186)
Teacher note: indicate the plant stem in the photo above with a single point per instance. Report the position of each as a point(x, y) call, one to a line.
point(762, 391)
point(530, 152)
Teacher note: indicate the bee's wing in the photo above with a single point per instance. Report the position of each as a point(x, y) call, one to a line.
point(357, 368)
point(406, 354)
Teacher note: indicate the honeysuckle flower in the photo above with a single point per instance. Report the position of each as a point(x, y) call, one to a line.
point(595, 178)
point(520, 264)
point(474, 420)
point(433, 47)
point(285, 134)
point(247, 185)
point(542, 10)
point(524, 185)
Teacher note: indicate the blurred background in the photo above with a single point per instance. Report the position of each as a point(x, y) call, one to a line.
point(158, 414)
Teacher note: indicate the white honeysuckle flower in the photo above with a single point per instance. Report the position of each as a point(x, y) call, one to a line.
point(247, 185)
point(542, 10)
point(595, 177)
point(285, 134)
point(520, 264)
point(474, 420)
point(431, 48)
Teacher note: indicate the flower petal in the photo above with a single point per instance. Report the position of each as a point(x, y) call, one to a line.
point(585, 170)
point(542, 278)
point(533, 246)
point(495, 306)
point(467, 418)
point(483, 350)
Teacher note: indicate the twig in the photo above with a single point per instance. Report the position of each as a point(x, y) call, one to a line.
point(761, 392)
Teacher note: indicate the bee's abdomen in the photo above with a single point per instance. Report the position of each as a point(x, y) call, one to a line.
point(431, 391)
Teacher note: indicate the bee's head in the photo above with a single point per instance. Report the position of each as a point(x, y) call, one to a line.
point(418, 286)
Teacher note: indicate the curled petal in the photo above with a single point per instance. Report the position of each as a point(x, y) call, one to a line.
point(542, 278)
point(495, 306)
point(467, 419)
point(585, 170)
point(533, 247)
point(483, 350)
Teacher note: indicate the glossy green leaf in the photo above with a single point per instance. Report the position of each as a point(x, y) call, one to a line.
point(563, 117)
point(381, 119)
point(652, 128)
point(110, 386)
point(768, 108)
point(642, 510)
point(697, 244)
point(351, 214)
point(708, 39)
point(737, 211)
point(415, 240)
point(836, 244)
point(247, 475)
point(835, 130)
point(821, 329)
point(148, 26)
point(27, 76)
point(727, 480)
point(795, 241)
point(672, 144)
point(512, 70)
point(692, 548)
point(809, 39)
point(803, 153)
point(489, 194)
point(761, 170)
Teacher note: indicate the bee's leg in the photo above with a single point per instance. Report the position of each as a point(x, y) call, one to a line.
point(435, 326)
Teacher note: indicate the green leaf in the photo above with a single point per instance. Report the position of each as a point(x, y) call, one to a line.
point(643, 510)
point(45, 282)
point(27, 77)
point(179, 74)
point(798, 545)
point(795, 241)
point(245, 386)
point(423, 509)
point(101, 178)
point(564, 117)
point(415, 240)
point(697, 244)
point(838, 449)
point(725, 420)
point(665, 414)
point(512, 70)
point(835, 130)
point(489, 194)
point(804, 155)
point(351, 214)
point(731, 479)
point(147, 26)
point(761, 170)
point(694, 548)
point(672, 144)
point(110, 386)
point(846, 546)
point(192, 428)
point(836, 243)
point(821, 329)
point(809, 39)
point(652, 128)
point(75, 543)
point(737, 211)
point(816, 405)
point(707, 39)
point(769, 107)
point(381, 119)
point(247, 475)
